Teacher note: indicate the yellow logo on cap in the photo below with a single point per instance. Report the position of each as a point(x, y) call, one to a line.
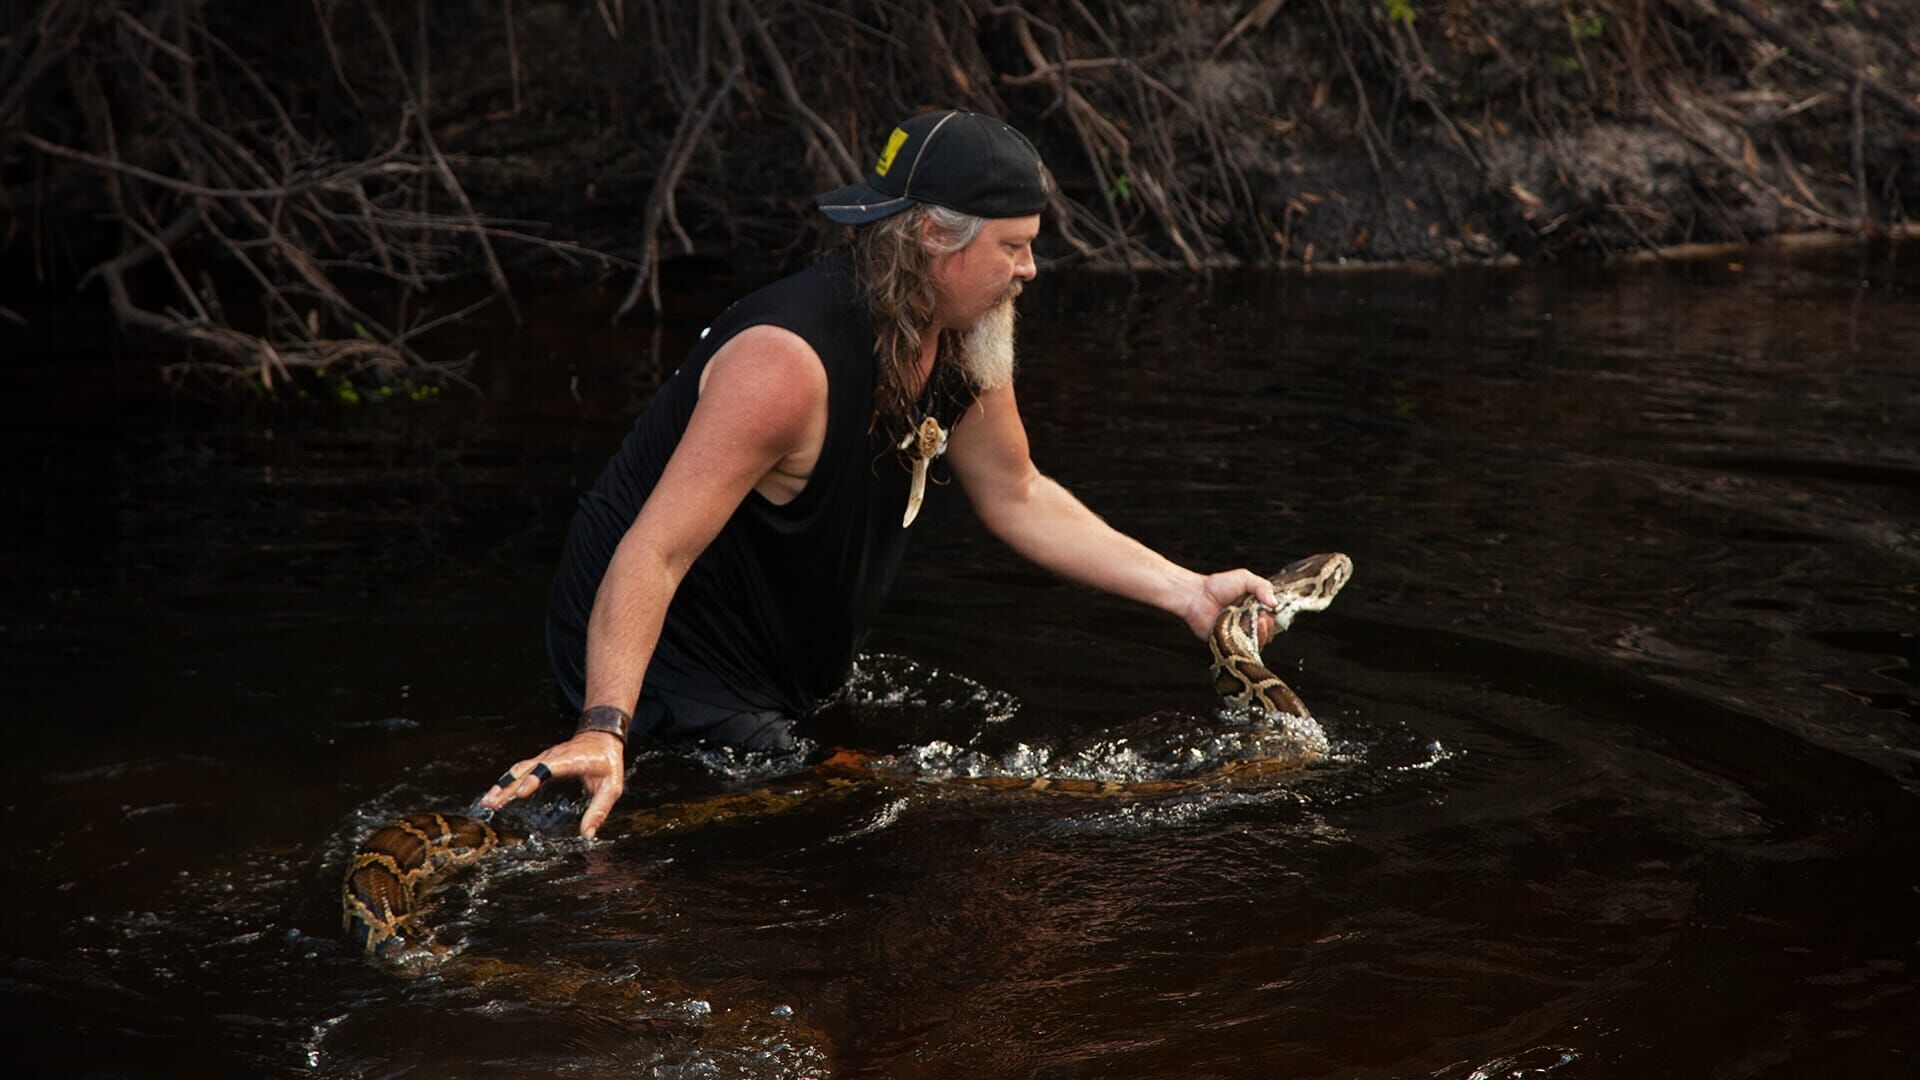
point(894, 143)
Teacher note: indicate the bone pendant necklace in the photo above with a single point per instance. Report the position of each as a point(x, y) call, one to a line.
point(925, 443)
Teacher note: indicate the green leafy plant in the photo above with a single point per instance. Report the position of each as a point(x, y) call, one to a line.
point(351, 389)
point(1400, 11)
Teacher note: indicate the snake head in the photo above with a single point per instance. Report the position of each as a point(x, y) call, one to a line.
point(1308, 584)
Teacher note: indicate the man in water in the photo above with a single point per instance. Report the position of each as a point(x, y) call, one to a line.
point(721, 574)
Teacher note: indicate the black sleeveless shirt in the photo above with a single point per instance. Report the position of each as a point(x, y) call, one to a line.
point(772, 613)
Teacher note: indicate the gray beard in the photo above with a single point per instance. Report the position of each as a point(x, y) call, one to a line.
point(986, 349)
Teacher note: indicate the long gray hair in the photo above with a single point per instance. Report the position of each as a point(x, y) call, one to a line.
point(894, 267)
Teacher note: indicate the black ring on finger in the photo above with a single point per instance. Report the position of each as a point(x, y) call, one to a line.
point(540, 770)
point(505, 779)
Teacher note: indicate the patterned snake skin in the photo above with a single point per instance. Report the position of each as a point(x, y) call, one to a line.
point(395, 868)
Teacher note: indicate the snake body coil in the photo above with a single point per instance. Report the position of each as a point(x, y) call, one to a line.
point(398, 865)
point(1239, 674)
point(390, 873)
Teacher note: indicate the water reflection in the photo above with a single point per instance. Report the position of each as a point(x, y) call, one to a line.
point(1621, 711)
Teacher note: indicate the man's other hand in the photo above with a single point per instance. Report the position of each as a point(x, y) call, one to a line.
point(596, 757)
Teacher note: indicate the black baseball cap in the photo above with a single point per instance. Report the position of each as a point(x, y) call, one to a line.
point(953, 158)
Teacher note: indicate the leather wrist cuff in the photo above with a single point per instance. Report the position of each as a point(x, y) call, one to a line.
point(611, 719)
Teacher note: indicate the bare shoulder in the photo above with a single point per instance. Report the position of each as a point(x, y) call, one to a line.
point(989, 447)
point(992, 423)
point(768, 380)
point(770, 355)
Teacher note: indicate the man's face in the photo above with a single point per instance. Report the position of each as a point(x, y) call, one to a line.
point(980, 276)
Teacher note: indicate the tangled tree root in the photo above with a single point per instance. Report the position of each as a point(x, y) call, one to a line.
point(268, 188)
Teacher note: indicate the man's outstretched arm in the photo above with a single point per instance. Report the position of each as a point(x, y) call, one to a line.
point(1042, 520)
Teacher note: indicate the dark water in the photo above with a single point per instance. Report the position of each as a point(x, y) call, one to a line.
point(1623, 697)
